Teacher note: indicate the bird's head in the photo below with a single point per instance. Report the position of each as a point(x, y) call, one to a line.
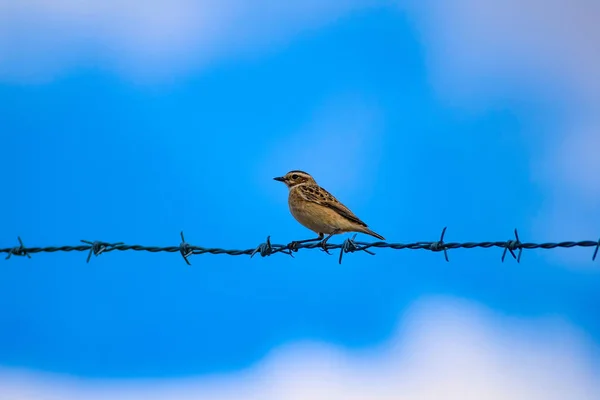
point(294, 178)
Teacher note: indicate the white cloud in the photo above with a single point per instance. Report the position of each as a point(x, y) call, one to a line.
point(146, 39)
point(444, 349)
point(477, 45)
point(481, 51)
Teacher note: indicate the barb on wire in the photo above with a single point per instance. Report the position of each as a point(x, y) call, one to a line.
point(349, 245)
point(185, 249)
point(512, 245)
point(266, 249)
point(18, 251)
point(439, 245)
point(98, 247)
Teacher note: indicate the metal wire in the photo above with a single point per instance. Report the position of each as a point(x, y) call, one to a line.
point(267, 248)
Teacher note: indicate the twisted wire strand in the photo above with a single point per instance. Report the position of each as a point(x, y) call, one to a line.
point(267, 248)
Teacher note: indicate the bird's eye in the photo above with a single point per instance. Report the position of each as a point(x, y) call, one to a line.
point(295, 176)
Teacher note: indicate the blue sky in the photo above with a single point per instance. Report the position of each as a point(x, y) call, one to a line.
point(401, 111)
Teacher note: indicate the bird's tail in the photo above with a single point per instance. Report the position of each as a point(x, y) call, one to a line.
point(370, 232)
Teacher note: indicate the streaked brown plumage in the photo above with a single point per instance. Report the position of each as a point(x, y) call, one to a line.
point(318, 210)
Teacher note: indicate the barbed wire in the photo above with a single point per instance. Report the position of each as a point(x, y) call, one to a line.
point(267, 248)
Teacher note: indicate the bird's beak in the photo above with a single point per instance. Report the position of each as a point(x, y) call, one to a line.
point(280, 179)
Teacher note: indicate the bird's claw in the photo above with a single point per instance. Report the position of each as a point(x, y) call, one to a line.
point(293, 246)
point(323, 245)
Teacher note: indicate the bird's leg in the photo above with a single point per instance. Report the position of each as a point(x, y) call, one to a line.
point(324, 241)
point(294, 245)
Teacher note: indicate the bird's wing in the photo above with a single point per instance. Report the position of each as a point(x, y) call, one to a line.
point(323, 197)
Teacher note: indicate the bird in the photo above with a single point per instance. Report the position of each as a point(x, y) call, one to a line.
point(318, 210)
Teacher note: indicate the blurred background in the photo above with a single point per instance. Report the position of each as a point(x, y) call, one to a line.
point(132, 121)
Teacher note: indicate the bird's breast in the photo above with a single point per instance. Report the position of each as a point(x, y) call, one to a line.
point(315, 217)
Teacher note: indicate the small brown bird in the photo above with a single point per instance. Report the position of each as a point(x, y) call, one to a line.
point(317, 209)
